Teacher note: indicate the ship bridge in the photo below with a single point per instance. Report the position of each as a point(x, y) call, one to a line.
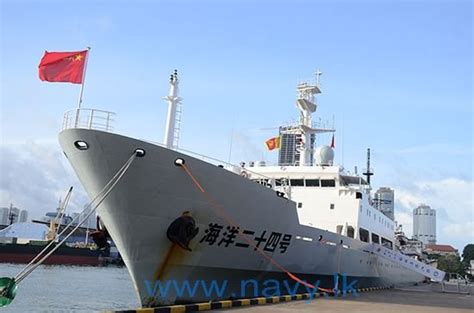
point(328, 198)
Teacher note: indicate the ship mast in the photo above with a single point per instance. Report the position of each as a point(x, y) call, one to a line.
point(174, 114)
point(297, 140)
point(368, 171)
point(306, 103)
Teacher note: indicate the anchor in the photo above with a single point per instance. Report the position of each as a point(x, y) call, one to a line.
point(182, 230)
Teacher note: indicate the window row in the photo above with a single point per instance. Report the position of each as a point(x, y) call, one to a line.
point(309, 182)
point(374, 238)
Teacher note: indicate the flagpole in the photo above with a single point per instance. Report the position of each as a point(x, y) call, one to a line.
point(82, 86)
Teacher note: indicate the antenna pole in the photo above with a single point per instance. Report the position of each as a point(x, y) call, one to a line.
point(173, 101)
point(368, 171)
point(231, 143)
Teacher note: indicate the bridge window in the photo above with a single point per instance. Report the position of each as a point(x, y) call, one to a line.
point(387, 243)
point(312, 183)
point(350, 231)
point(375, 238)
point(328, 183)
point(297, 182)
point(339, 229)
point(363, 235)
point(331, 206)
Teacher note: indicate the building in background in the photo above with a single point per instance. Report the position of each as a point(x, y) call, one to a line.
point(4, 216)
point(440, 250)
point(424, 224)
point(384, 201)
point(11, 214)
point(23, 216)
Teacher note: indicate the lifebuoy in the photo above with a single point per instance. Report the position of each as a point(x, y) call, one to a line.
point(244, 174)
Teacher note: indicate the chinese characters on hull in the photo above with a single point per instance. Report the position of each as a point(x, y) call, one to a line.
point(217, 235)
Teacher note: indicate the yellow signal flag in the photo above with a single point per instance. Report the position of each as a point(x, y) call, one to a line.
point(273, 143)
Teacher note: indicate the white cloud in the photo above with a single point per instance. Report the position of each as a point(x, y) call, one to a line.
point(453, 200)
point(34, 176)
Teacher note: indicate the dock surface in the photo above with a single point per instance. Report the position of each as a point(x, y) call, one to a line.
point(416, 299)
point(419, 299)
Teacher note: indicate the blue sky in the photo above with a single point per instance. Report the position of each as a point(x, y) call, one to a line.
point(397, 78)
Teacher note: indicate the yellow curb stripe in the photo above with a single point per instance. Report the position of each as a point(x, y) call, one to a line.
point(204, 306)
point(177, 309)
point(226, 304)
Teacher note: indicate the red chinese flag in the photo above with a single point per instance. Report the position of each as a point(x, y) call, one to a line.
point(65, 67)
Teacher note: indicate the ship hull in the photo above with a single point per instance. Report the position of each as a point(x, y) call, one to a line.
point(154, 192)
point(24, 253)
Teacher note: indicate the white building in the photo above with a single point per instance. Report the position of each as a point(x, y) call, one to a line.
point(424, 224)
point(384, 201)
point(9, 215)
point(23, 216)
point(4, 216)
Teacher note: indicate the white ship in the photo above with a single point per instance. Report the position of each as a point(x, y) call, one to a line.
point(304, 219)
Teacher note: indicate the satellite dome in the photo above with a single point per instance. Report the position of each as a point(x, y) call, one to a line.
point(324, 155)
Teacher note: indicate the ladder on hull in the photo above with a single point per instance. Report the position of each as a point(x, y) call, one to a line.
point(177, 124)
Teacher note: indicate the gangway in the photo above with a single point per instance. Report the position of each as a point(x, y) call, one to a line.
point(408, 262)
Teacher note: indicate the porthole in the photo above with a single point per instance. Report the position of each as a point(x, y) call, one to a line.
point(139, 152)
point(81, 145)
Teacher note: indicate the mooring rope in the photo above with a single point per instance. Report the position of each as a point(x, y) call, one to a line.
point(102, 195)
point(220, 210)
point(62, 207)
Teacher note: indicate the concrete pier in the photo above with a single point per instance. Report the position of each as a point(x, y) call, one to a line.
point(417, 299)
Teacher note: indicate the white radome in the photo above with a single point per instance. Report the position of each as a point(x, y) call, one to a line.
point(324, 155)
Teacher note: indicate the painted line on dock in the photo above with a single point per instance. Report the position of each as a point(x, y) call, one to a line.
point(225, 304)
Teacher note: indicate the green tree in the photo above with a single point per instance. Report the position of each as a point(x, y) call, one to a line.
point(451, 264)
point(467, 256)
point(468, 253)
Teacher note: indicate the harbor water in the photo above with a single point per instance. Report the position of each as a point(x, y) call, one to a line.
point(71, 289)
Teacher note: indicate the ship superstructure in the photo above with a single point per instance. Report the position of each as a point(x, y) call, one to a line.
point(174, 216)
point(326, 196)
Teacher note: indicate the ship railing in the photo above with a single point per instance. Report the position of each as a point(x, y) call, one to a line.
point(237, 169)
point(89, 119)
point(323, 125)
